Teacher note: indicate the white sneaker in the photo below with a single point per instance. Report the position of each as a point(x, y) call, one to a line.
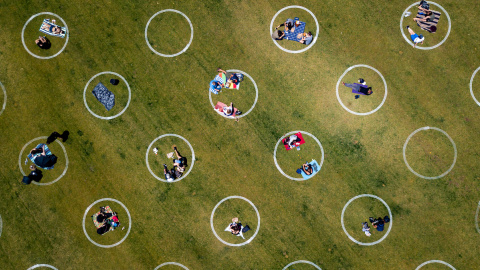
point(155, 150)
point(408, 13)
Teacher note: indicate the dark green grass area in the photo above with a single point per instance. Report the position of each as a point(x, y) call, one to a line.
point(432, 219)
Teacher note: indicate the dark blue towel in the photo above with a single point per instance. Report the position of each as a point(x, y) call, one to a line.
point(103, 95)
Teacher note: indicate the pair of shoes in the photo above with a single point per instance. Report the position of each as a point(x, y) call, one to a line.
point(238, 113)
point(371, 219)
point(357, 96)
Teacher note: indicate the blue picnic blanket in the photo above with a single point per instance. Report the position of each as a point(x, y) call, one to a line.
point(47, 26)
point(47, 152)
point(298, 30)
point(220, 78)
point(316, 168)
point(103, 95)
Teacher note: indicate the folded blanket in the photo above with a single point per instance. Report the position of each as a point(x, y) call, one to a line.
point(103, 95)
point(426, 25)
point(47, 27)
point(47, 152)
point(294, 36)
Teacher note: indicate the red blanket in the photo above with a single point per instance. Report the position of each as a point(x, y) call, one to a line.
point(299, 135)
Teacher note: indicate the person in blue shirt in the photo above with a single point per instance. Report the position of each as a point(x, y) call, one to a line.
point(307, 39)
point(215, 87)
point(416, 38)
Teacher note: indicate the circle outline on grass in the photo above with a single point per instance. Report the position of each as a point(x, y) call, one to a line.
point(64, 152)
point(304, 49)
point(428, 177)
point(5, 98)
point(191, 165)
point(42, 265)
point(118, 114)
point(256, 94)
point(275, 154)
point(45, 57)
point(431, 47)
point(129, 223)
point(171, 263)
point(471, 86)
point(184, 49)
point(302, 261)
point(384, 83)
point(435, 261)
point(249, 239)
point(389, 214)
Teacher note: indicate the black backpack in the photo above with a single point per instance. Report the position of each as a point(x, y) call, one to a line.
point(424, 4)
point(246, 229)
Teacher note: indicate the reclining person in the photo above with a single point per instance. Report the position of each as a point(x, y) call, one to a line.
point(54, 29)
point(179, 164)
point(292, 141)
point(235, 226)
point(169, 174)
point(307, 168)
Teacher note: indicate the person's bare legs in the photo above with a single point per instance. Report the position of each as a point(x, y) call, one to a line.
point(177, 153)
point(411, 31)
point(420, 20)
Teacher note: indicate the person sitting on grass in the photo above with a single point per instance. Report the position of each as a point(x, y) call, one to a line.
point(379, 223)
point(235, 226)
point(289, 25)
point(43, 43)
point(292, 141)
point(366, 229)
point(278, 34)
point(428, 17)
point(179, 164)
point(307, 38)
point(169, 174)
point(307, 168)
point(415, 37)
point(230, 110)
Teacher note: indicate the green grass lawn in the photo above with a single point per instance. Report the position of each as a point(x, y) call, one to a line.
point(432, 219)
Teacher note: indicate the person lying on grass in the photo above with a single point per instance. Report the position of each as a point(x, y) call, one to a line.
point(307, 168)
point(415, 37)
point(428, 17)
point(179, 164)
point(53, 28)
point(43, 42)
point(359, 88)
point(235, 227)
point(292, 141)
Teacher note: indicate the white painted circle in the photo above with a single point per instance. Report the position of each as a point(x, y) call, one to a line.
point(275, 154)
point(435, 261)
point(471, 86)
point(171, 263)
point(129, 223)
point(302, 261)
point(379, 74)
point(33, 17)
point(304, 49)
point(42, 265)
point(432, 47)
point(256, 93)
point(64, 152)
point(427, 177)
point(191, 165)
point(476, 218)
point(4, 98)
point(249, 239)
point(118, 114)
point(184, 49)
point(389, 214)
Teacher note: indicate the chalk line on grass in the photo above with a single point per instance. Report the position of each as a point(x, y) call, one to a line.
point(171, 263)
point(435, 261)
point(302, 261)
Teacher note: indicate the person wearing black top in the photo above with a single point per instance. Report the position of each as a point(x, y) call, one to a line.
point(43, 43)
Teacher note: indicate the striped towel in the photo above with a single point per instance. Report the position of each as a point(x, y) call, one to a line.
point(298, 30)
point(426, 25)
point(47, 152)
point(220, 78)
point(47, 25)
point(94, 217)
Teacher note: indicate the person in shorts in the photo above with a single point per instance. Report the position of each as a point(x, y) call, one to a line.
point(169, 174)
point(415, 37)
point(180, 163)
